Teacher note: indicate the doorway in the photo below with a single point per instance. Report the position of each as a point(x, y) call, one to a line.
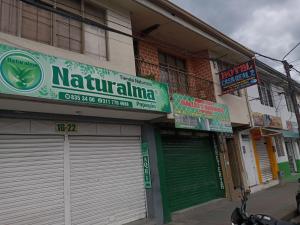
point(249, 160)
point(291, 156)
point(234, 163)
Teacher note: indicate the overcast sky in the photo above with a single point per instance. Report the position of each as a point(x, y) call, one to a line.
point(270, 27)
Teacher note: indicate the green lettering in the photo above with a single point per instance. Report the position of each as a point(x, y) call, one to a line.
point(139, 92)
point(89, 82)
point(110, 86)
point(101, 87)
point(129, 89)
point(77, 81)
point(121, 89)
point(57, 75)
point(150, 94)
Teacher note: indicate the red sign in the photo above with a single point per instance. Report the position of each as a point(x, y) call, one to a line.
point(238, 77)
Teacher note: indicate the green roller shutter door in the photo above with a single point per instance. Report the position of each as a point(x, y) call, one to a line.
point(191, 172)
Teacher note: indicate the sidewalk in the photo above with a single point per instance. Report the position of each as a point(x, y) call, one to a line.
point(278, 202)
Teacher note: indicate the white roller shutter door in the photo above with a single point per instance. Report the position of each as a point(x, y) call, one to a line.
point(264, 161)
point(32, 180)
point(106, 180)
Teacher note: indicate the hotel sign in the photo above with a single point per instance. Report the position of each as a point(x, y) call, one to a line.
point(238, 77)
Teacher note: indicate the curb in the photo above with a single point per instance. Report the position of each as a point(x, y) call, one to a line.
point(289, 216)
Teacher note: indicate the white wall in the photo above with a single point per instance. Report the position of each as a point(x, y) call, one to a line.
point(238, 108)
point(281, 158)
point(120, 47)
point(279, 109)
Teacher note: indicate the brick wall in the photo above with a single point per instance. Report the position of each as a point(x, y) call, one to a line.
point(147, 63)
point(200, 81)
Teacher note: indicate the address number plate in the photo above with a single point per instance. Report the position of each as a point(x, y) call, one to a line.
point(66, 127)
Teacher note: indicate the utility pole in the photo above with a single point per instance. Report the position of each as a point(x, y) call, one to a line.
point(292, 92)
point(291, 82)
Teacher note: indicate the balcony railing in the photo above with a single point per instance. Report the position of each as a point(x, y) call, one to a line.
point(179, 81)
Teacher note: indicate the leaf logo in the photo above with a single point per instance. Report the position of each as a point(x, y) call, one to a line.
point(20, 71)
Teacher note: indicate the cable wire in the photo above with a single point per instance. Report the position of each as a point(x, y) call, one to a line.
point(291, 51)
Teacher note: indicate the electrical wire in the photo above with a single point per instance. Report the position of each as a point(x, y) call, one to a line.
point(291, 51)
point(295, 70)
point(268, 57)
point(295, 60)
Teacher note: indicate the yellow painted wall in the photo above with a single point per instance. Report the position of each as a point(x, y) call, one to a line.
point(272, 157)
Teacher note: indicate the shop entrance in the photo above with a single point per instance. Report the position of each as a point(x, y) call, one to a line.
point(69, 179)
point(291, 156)
point(191, 171)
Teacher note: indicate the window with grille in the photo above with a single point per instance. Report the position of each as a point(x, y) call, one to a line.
point(265, 94)
point(173, 71)
point(29, 21)
point(289, 103)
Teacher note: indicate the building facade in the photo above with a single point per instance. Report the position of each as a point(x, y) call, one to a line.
point(270, 147)
point(238, 106)
point(112, 112)
point(74, 136)
point(195, 159)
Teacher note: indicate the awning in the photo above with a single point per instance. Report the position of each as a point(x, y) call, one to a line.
point(290, 134)
point(266, 132)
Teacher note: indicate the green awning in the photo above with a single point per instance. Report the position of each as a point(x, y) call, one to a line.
point(290, 134)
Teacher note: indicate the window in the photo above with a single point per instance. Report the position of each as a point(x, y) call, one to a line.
point(224, 66)
point(173, 71)
point(265, 94)
point(289, 102)
point(28, 21)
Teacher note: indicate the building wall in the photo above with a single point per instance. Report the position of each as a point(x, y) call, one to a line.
point(119, 47)
point(280, 110)
point(200, 80)
point(148, 64)
point(238, 108)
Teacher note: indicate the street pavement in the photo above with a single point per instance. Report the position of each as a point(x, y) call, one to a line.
point(278, 202)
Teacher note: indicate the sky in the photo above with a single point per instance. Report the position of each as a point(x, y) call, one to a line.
point(270, 27)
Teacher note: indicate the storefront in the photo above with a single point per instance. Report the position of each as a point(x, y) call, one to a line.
point(290, 141)
point(190, 165)
point(249, 159)
point(259, 151)
point(71, 141)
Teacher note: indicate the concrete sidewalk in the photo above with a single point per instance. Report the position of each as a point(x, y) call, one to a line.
point(278, 202)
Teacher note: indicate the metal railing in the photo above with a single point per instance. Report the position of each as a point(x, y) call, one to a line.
point(179, 81)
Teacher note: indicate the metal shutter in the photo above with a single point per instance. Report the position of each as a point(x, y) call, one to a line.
point(32, 180)
point(264, 161)
point(106, 180)
point(190, 171)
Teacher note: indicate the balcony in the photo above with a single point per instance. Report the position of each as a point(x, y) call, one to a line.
point(179, 81)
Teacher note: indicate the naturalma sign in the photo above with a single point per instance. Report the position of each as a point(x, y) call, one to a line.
point(37, 75)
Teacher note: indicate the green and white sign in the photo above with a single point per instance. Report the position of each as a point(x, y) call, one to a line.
point(198, 114)
point(146, 165)
point(37, 75)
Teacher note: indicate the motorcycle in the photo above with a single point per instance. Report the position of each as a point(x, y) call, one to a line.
point(240, 216)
